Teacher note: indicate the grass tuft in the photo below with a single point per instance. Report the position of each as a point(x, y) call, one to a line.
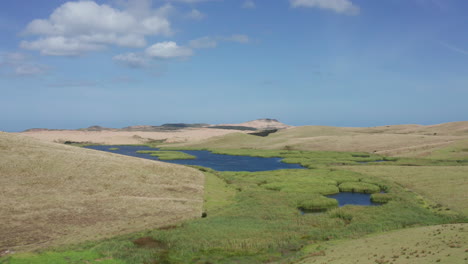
point(317, 204)
point(359, 187)
point(381, 197)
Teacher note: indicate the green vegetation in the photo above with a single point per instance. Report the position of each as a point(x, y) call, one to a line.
point(66, 257)
point(359, 187)
point(317, 204)
point(248, 221)
point(381, 198)
point(167, 155)
point(113, 148)
point(218, 194)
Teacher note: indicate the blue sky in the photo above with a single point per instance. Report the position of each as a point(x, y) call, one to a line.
point(115, 63)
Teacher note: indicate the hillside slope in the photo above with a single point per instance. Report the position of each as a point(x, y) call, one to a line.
point(53, 194)
point(421, 245)
point(398, 140)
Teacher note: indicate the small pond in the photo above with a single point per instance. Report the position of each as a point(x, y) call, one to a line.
point(207, 159)
point(345, 198)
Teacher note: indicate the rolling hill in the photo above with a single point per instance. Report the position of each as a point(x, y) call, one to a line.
point(53, 194)
point(397, 140)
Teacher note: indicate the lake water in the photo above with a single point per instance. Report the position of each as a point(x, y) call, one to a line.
point(207, 159)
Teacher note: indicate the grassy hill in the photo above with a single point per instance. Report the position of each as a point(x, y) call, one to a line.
point(445, 186)
point(433, 244)
point(53, 194)
point(398, 140)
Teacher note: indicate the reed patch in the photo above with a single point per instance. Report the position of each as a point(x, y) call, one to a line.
point(167, 155)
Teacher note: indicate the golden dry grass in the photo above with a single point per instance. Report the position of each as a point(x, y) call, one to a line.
point(432, 244)
point(127, 137)
point(398, 140)
point(53, 194)
point(443, 185)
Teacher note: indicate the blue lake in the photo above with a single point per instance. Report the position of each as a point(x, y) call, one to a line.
point(207, 159)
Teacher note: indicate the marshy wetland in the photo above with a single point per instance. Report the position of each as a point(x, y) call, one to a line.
point(258, 216)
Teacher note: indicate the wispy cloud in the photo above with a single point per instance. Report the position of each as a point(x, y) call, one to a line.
point(168, 50)
point(249, 4)
point(74, 83)
point(20, 64)
point(132, 60)
point(338, 6)
point(212, 42)
point(453, 48)
point(195, 14)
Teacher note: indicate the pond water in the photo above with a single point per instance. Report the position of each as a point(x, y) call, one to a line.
point(207, 159)
point(345, 198)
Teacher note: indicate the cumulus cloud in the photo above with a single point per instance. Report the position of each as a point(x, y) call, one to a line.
point(132, 60)
point(196, 15)
point(78, 27)
point(168, 50)
point(171, 50)
point(212, 42)
point(338, 6)
point(249, 4)
point(19, 64)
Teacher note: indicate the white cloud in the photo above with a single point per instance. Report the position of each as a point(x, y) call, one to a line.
point(78, 27)
point(168, 50)
point(60, 46)
point(204, 43)
point(132, 60)
point(212, 42)
point(339, 6)
point(20, 64)
point(249, 4)
point(196, 15)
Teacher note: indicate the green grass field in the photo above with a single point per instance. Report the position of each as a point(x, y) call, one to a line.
point(253, 217)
